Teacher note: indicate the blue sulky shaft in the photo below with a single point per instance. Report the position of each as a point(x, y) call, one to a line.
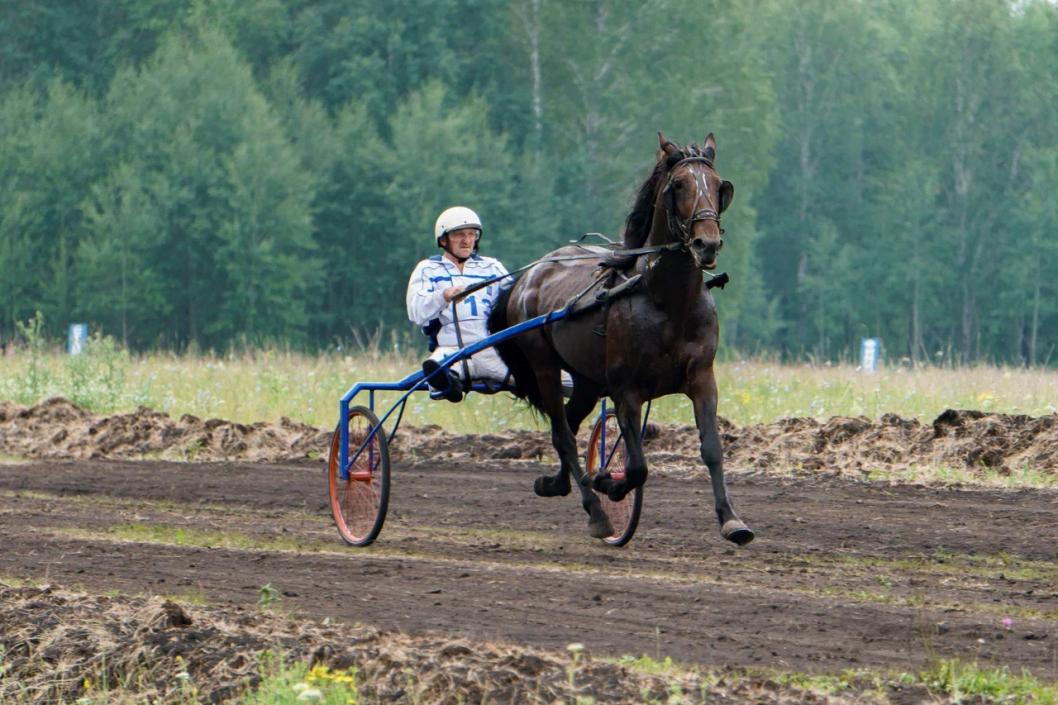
point(417, 381)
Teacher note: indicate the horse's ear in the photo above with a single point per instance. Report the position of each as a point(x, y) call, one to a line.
point(665, 148)
point(709, 150)
point(727, 193)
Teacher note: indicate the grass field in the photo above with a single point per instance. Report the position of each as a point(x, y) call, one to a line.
point(266, 385)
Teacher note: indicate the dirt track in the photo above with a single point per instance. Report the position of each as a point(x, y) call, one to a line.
point(843, 574)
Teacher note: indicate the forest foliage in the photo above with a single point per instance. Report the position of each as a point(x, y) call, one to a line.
point(215, 173)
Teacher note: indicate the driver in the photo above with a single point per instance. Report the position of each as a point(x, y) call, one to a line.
point(436, 281)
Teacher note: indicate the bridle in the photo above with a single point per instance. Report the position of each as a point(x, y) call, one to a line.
point(682, 226)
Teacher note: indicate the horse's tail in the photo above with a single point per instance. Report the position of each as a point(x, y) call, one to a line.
point(525, 384)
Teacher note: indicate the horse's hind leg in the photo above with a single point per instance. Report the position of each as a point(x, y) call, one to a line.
point(556, 485)
point(565, 443)
point(580, 405)
point(550, 382)
point(576, 410)
point(704, 396)
point(582, 402)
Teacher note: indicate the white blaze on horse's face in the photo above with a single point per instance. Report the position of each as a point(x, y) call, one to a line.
point(699, 223)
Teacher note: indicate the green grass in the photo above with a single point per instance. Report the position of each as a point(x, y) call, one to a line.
point(268, 384)
point(937, 562)
point(857, 680)
point(962, 681)
point(294, 684)
point(281, 684)
point(177, 536)
point(965, 681)
point(15, 582)
point(980, 476)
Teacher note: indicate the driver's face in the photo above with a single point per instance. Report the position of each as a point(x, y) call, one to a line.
point(461, 242)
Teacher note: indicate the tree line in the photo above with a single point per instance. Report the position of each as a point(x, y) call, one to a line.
point(212, 173)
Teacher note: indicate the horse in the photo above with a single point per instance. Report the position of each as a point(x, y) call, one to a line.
point(658, 339)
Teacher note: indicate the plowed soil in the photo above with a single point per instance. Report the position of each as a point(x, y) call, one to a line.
point(844, 573)
point(973, 441)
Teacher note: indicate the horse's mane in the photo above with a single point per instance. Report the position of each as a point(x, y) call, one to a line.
point(637, 226)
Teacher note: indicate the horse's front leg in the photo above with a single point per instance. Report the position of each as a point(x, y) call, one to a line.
point(629, 418)
point(704, 395)
point(565, 442)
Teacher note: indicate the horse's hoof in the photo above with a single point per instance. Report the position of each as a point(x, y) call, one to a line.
point(737, 532)
point(547, 486)
point(601, 528)
point(616, 491)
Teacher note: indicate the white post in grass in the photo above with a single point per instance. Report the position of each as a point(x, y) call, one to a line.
point(870, 354)
point(77, 337)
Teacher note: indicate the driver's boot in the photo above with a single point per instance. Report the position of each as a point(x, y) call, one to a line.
point(446, 383)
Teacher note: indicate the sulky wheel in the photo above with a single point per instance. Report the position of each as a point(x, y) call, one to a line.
point(359, 502)
point(610, 456)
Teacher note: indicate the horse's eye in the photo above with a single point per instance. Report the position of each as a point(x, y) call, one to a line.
point(677, 186)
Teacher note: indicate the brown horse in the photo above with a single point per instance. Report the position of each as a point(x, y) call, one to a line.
point(659, 339)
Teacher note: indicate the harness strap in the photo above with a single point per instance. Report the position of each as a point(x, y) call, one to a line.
point(459, 339)
point(577, 297)
point(635, 252)
point(601, 299)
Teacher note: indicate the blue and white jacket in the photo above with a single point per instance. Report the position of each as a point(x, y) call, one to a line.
point(426, 296)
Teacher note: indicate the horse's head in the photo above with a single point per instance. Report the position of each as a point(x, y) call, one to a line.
point(693, 196)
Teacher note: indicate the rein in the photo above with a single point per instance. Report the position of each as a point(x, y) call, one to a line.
point(636, 252)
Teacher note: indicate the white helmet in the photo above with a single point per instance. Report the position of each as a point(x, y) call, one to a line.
point(455, 218)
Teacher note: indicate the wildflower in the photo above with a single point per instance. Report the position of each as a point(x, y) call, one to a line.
point(319, 672)
point(1008, 623)
point(575, 648)
point(311, 694)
